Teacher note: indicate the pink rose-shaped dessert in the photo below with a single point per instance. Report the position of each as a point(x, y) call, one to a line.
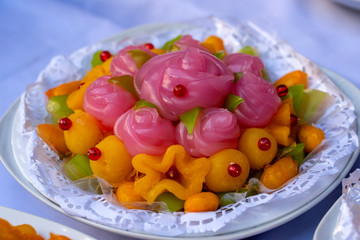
point(107, 101)
point(187, 41)
point(144, 131)
point(179, 81)
point(215, 129)
point(261, 101)
point(123, 63)
point(241, 62)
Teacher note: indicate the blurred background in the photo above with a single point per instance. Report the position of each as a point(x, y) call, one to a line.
point(33, 32)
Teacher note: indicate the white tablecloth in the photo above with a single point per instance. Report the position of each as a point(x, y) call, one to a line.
point(32, 32)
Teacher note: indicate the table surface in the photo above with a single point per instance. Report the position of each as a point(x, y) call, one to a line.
point(32, 32)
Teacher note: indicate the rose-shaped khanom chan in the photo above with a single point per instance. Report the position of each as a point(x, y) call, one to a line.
point(241, 62)
point(179, 81)
point(215, 129)
point(188, 41)
point(107, 101)
point(261, 101)
point(128, 60)
point(144, 131)
point(75, 100)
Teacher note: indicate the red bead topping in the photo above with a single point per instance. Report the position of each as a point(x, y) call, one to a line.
point(65, 124)
point(80, 85)
point(149, 46)
point(172, 173)
point(179, 91)
point(105, 55)
point(282, 90)
point(294, 120)
point(264, 144)
point(234, 170)
point(94, 153)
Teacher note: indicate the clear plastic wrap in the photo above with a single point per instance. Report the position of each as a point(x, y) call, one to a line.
point(348, 223)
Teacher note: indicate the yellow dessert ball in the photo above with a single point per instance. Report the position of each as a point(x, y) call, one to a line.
point(83, 134)
point(228, 172)
point(259, 146)
point(114, 164)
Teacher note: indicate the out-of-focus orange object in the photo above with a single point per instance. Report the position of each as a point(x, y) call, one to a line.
point(23, 232)
point(58, 237)
point(292, 78)
point(214, 44)
point(53, 136)
point(158, 51)
point(63, 89)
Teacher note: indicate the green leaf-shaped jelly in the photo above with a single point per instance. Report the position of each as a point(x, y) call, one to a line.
point(232, 101)
point(167, 46)
point(143, 103)
point(57, 108)
point(126, 82)
point(313, 105)
point(173, 203)
point(78, 167)
point(250, 51)
point(295, 151)
point(237, 76)
point(189, 118)
point(296, 92)
point(96, 60)
point(220, 55)
point(140, 57)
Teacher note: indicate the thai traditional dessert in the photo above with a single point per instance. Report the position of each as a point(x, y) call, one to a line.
point(183, 124)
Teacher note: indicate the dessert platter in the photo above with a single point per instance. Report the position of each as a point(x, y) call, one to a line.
point(210, 129)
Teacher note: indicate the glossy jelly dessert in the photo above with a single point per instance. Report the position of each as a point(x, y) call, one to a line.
point(183, 124)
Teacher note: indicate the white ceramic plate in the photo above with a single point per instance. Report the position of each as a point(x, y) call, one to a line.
point(327, 224)
point(291, 208)
point(42, 226)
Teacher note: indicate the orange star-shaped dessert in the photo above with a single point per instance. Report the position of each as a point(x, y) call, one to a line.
point(175, 171)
